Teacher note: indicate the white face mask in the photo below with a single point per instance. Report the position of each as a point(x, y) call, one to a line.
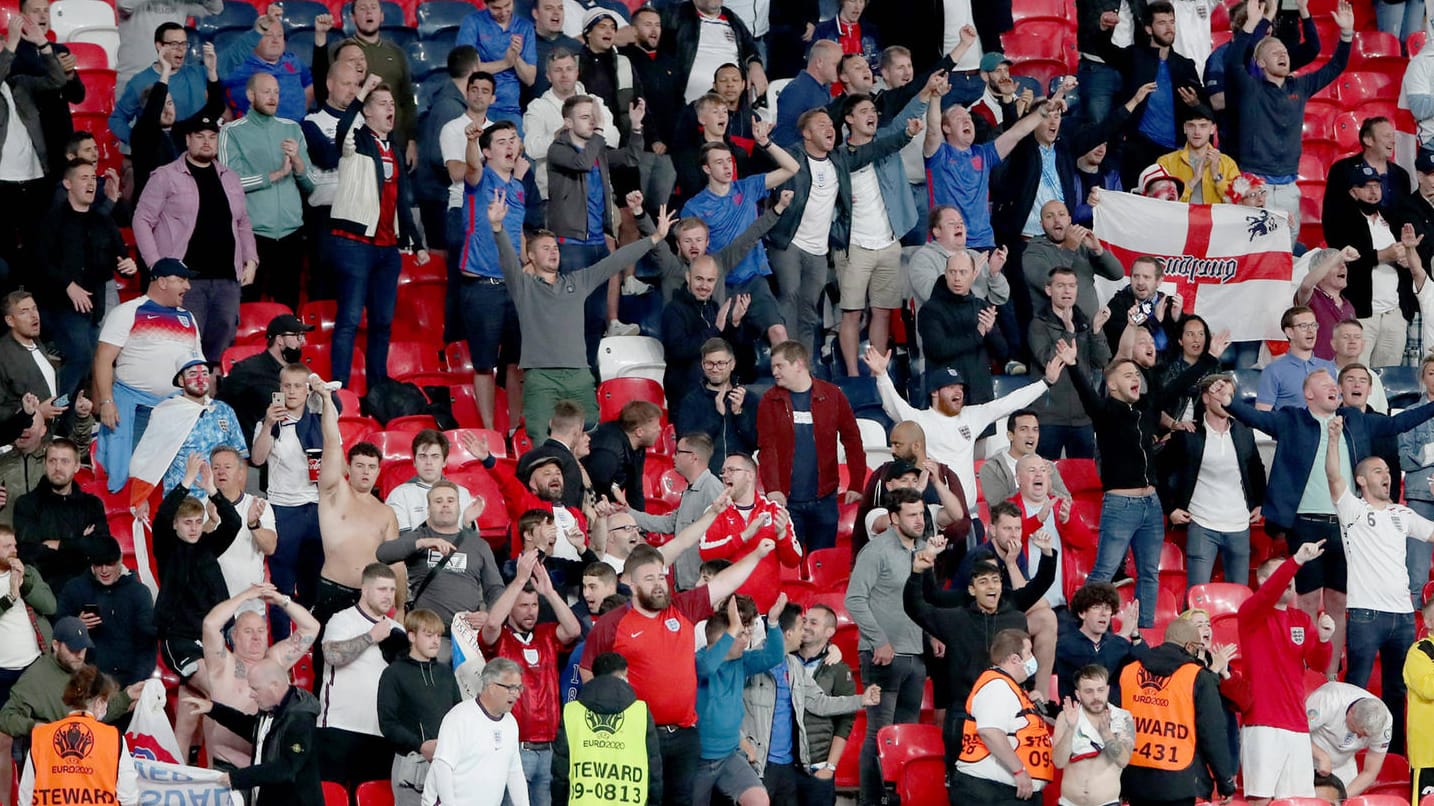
point(1029, 667)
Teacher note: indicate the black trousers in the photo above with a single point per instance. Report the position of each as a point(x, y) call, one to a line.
point(281, 264)
point(680, 750)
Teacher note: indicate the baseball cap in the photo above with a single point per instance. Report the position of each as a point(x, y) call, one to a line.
point(169, 267)
point(200, 123)
point(73, 633)
point(594, 14)
point(106, 551)
point(1200, 112)
point(993, 60)
point(1362, 174)
point(1424, 163)
point(941, 377)
point(286, 323)
point(897, 468)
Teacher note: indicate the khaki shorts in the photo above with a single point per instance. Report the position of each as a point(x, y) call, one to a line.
point(869, 276)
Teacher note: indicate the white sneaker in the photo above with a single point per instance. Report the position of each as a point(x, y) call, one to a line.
point(632, 287)
point(616, 328)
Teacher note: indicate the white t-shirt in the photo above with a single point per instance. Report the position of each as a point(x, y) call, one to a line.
point(18, 160)
point(1218, 501)
point(755, 14)
point(349, 697)
point(1192, 32)
point(242, 563)
point(716, 46)
point(955, 14)
point(46, 368)
point(1384, 281)
point(483, 755)
point(996, 706)
point(152, 339)
point(289, 484)
point(1329, 730)
point(18, 648)
point(409, 502)
point(1374, 549)
point(1056, 593)
point(870, 226)
point(816, 225)
point(453, 145)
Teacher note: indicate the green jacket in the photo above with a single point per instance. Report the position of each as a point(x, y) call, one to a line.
point(36, 698)
point(251, 148)
point(37, 594)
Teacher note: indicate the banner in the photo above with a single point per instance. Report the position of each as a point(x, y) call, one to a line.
point(1229, 264)
point(162, 784)
point(468, 659)
point(150, 736)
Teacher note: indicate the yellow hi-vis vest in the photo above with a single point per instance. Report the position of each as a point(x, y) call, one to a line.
point(607, 755)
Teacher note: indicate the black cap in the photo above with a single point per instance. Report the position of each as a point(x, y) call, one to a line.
point(169, 267)
point(286, 323)
point(941, 377)
point(536, 458)
point(897, 468)
point(105, 551)
point(199, 123)
point(1200, 112)
point(1424, 163)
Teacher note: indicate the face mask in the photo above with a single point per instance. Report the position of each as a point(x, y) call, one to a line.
point(1367, 208)
point(1029, 667)
point(292, 355)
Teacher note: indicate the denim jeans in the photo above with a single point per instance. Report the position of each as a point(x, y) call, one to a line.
point(1135, 524)
point(367, 278)
point(815, 522)
point(1078, 442)
point(681, 748)
point(1201, 546)
point(1099, 84)
point(1400, 19)
point(1389, 635)
point(1417, 554)
point(75, 335)
point(964, 90)
point(801, 276)
point(902, 682)
point(538, 769)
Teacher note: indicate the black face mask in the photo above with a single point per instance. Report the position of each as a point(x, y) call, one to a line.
point(1367, 208)
point(292, 355)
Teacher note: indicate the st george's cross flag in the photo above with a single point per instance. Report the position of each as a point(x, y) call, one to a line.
point(1229, 264)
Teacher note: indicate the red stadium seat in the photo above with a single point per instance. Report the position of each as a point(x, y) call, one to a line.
point(1326, 106)
point(672, 485)
point(254, 318)
point(829, 569)
point(1319, 122)
point(848, 771)
point(348, 402)
point(89, 56)
point(234, 355)
point(392, 474)
point(1300, 802)
point(394, 445)
point(522, 443)
point(1023, 10)
point(1220, 22)
point(374, 793)
point(418, 312)
point(846, 641)
point(335, 794)
point(409, 358)
point(320, 359)
point(457, 357)
point(412, 423)
point(493, 523)
point(465, 407)
point(1378, 108)
point(1225, 630)
point(434, 271)
point(1377, 800)
point(302, 672)
point(321, 314)
point(1311, 231)
point(799, 591)
point(612, 395)
point(1415, 43)
point(912, 757)
point(355, 428)
point(1346, 130)
point(99, 90)
point(1042, 70)
point(1080, 475)
point(1356, 87)
point(1038, 39)
point(1312, 169)
point(1375, 47)
point(458, 456)
point(1219, 598)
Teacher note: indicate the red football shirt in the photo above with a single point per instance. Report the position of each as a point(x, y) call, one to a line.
point(538, 710)
point(661, 659)
point(1277, 646)
point(386, 234)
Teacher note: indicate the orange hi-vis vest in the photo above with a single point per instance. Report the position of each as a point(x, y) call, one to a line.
point(76, 761)
point(1033, 740)
point(1164, 712)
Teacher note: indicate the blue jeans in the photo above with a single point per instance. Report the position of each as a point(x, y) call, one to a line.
point(964, 90)
point(919, 233)
point(538, 769)
point(1389, 634)
point(1417, 554)
point(815, 522)
point(1135, 524)
point(1099, 84)
point(1400, 19)
point(1078, 442)
point(367, 278)
point(75, 335)
point(902, 682)
point(1201, 546)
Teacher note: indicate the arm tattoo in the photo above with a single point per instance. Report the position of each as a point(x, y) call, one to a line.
point(342, 653)
point(291, 649)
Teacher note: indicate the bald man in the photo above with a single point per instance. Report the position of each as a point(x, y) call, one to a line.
point(908, 444)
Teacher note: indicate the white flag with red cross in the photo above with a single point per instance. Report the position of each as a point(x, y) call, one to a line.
point(1229, 264)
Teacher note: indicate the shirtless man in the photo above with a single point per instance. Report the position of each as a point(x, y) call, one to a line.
point(1093, 741)
point(352, 522)
point(228, 670)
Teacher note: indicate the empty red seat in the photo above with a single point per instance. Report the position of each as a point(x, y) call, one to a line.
point(1372, 47)
point(1042, 70)
point(374, 793)
point(335, 794)
point(1380, 799)
point(1311, 231)
point(457, 357)
point(1378, 108)
point(392, 474)
point(320, 358)
point(99, 90)
point(412, 423)
point(493, 523)
point(355, 428)
point(614, 394)
point(1312, 169)
point(1038, 39)
point(1357, 86)
point(418, 312)
point(394, 445)
point(1080, 475)
point(670, 486)
point(1415, 43)
point(410, 358)
point(912, 757)
point(1346, 130)
point(435, 270)
point(458, 456)
point(1319, 122)
point(829, 569)
point(238, 353)
point(1219, 598)
point(1023, 10)
point(254, 318)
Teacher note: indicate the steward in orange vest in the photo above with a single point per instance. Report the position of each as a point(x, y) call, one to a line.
point(79, 759)
point(1005, 753)
point(1179, 723)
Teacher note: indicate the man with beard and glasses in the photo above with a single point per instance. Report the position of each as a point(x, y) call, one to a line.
point(266, 151)
point(513, 632)
point(1092, 742)
point(720, 406)
point(188, 423)
point(193, 209)
point(250, 384)
point(750, 519)
point(650, 631)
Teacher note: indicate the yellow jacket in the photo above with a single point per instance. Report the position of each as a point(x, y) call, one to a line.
point(1419, 677)
point(1215, 177)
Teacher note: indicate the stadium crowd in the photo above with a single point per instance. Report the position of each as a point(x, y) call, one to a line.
point(584, 401)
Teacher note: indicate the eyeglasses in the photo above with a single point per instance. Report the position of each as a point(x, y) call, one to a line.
point(170, 43)
point(513, 688)
point(1305, 326)
point(630, 526)
point(717, 364)
point(727, 470)
point(681, 451)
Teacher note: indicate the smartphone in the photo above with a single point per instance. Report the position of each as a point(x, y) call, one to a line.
point(61, 402)
point(90, 609)
point(276, 399)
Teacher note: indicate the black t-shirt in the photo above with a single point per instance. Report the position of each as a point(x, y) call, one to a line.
point(211, 248)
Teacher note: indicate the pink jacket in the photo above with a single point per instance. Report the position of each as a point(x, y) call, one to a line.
point(168, 208)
